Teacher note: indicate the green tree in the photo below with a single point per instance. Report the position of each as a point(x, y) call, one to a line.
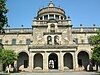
point(8, 57)
point(3, 11)
point(95, 41)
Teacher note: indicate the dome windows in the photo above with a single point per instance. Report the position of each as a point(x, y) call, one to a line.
point(61, 18)
point(57, 17)
point(51, 16)
point(45, 17)
point(40, 18)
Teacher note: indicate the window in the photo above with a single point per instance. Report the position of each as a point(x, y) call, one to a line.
point(49, 40)
point(1, 41)
point(13, 41)
point(61, 18)
point(51, 16)
point(45, 17)
point(40, 18)
point(57, 17)
point(52, 28)
point(89, 40)
point(28, 41)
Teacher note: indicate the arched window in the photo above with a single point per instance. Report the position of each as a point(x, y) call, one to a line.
point(52, 28)
point(13, 41)
point(49, 40)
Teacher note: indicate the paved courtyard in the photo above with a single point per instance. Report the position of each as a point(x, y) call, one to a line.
point(56, 73)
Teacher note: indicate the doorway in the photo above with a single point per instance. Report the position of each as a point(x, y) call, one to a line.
point(53, 61)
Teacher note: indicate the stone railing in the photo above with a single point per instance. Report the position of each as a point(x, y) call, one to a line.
point(18, 30)
point(85, 29)
point(52, 46)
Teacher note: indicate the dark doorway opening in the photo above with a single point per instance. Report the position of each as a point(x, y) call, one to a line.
point(68, 60)
point(38, 61)
point(23, 60)
point(83, 59)
point(80, 62)
point(25, 63)
point(53, 61)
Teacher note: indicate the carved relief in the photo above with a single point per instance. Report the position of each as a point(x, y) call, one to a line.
point(39, 39)
point(66, 41)
point(56, 40)
point(49, 40)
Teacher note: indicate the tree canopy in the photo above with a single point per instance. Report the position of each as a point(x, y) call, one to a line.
point(3, 11)
point(7, 56)
point(95, 41)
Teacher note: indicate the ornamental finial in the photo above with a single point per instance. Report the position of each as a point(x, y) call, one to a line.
point(51, 4)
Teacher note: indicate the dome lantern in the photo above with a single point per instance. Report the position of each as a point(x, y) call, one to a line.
point(51, 4)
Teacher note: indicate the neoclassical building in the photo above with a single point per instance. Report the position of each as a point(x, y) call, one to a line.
point(51, 44)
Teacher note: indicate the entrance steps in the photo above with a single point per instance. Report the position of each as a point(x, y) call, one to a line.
point(52, 71)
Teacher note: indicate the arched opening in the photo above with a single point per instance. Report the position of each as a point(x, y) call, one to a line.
point(83, 59)
point(38, 61)
point(23, 61)
point(53, 61)
point(68, 61)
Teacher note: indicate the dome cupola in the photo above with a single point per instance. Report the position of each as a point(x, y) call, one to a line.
point(51, 12)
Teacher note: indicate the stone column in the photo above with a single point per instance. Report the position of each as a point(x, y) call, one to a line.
point(48, 17)
point(74, 63)
point(59, 17)
point(45, 62)
point(54, 16)
point(30, 62)
point(43, 17)
point(61, 61)
point(33, 60)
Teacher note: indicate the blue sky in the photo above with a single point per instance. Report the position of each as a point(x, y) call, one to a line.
point(22, 12)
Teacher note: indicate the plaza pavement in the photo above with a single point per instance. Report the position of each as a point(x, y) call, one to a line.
point(54, 73)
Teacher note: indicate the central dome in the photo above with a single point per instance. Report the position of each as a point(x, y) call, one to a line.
point(51, 12)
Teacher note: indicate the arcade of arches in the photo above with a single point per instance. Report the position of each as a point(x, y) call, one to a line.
point(54, 60)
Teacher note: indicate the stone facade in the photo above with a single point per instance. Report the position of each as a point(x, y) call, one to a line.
point(51, 43)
